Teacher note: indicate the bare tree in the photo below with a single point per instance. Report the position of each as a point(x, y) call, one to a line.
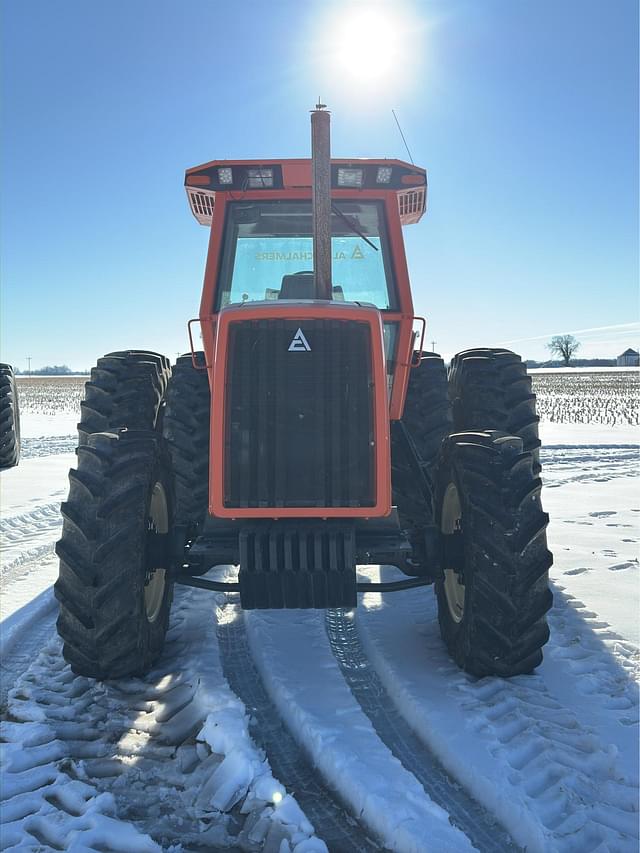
point(564, 346)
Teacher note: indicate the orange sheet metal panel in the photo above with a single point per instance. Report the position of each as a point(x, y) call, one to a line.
point(198, 180)
point(296, 174)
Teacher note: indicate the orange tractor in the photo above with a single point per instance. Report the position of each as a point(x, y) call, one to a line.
point(313, 434)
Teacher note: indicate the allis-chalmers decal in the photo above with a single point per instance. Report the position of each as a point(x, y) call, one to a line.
point(299, 343)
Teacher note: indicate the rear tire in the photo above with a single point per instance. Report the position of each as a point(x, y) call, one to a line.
point(427, 410)
point(494, 593)
point(126, 389)
point(186, 430)
point(9, 418)
point(113, 588)
point(415, 444)
point(490, 389)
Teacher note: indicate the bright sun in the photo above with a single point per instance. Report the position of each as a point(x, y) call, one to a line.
point(369, 51)
point(367, 43)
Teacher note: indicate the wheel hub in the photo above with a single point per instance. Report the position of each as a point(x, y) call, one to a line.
point(451, 527)
point(155, 577)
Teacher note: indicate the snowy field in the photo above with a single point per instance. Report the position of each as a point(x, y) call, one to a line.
point(305, 731)
point(607, 396)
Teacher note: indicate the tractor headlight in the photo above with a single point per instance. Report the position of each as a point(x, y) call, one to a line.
point(259, 178)
point(383, 175)
point(225, 175)
point(350, 177)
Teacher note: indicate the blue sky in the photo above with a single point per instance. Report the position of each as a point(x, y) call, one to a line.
point(524, 113)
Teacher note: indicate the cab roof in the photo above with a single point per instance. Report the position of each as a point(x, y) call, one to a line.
point(409, 182)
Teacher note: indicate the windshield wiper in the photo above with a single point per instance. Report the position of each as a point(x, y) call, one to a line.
point(355, 230)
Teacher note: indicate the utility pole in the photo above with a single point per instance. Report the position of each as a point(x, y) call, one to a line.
point(29, 365)
point(433, 346)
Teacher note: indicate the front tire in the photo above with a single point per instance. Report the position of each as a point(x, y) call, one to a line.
point(113, 588)
point(9, 418)
point(494, 592)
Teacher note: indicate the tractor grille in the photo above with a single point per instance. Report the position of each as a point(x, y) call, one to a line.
point(299, 414)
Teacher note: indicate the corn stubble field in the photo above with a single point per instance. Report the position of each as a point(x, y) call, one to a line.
point(50, 395)
point(610, 398)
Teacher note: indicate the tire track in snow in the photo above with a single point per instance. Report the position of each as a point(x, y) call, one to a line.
point(48, 445)
point(562, 772)
point(291, 650)
point(340, 831)
point(126, 766)
point(552, 781)
point(478, 825)
point(27, 543)
point(26, 562)
point(565, 464)
point(23, 637)
point(598, 665)
point(26, 538)
point(23, 527)
point(73, 745)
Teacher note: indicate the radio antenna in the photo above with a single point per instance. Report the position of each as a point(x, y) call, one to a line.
point(402, 135)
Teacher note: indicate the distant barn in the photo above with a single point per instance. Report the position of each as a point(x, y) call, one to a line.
point(629, 358)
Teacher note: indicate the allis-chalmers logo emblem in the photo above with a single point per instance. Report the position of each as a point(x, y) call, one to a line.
point(299, 343)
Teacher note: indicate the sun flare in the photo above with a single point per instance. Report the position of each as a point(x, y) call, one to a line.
point(368, 49)
point(367, 43)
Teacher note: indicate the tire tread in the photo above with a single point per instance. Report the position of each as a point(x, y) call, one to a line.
point(507, 562)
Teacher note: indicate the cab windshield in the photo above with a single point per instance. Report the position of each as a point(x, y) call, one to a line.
point(268, 246)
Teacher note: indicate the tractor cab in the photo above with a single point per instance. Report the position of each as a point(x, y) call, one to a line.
point(261, 246)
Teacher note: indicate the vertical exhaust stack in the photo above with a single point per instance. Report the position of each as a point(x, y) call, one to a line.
point(321, 200)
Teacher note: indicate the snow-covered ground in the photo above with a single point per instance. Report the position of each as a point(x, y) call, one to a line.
point(304, 731)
